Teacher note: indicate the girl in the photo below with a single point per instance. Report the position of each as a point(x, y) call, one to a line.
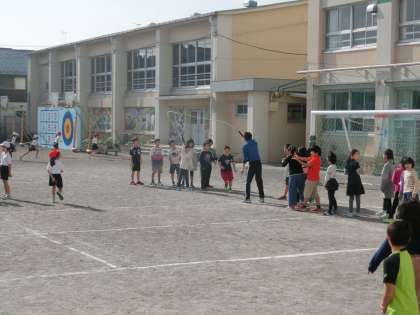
point(331, 184)
point(354, 184)
point(296, 179)
point(6, 167)
point(186, 166)
point(32, 147)
point(386, 182)
point(156, 156)
point(95, 146)
point(286, 187)
point(227, 167)
point(396, 181)
point(55, 169)
point(194, 162)
point(410, 181)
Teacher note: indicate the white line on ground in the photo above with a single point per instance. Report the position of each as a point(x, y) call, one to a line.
point(191, 263)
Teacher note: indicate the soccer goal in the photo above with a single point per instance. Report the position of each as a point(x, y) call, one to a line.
point(369, 131)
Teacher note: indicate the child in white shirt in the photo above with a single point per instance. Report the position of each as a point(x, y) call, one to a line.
point(32, 147)
point(5, 167)
point(331, 184)
point(55, 171)
point(187, 164)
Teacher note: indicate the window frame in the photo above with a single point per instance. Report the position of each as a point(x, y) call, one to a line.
point(301, 120)
point(148, 81)
point(241, 113)
point(186, 74)
point(68, 81)
point(351, 31)
point(407, 23)
point(105, 76)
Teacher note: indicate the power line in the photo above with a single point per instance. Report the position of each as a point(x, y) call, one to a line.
point(262, 48)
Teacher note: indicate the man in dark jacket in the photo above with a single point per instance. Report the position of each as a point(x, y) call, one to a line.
point(251, 155)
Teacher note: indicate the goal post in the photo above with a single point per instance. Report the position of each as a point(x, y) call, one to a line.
point(369, 131)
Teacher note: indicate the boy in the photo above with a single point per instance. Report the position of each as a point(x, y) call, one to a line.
point(5, 167)
point(399, 284)
point(226, 162)
point(186, 165)
point(57, 139)
point(313, 164)
point(55, 171)
point(157, 162)
point(174, 160)
point(32, 147)
point(206, 159)
point(136, 161)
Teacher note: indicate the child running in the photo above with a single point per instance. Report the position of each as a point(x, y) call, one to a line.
point(410, 180)
point(33, 147)
point(186, 165)
point(135, 162)
point(354, 183)
point(205, 166)
point(156, 155)
point(399, 278)
point(55, 171)
point(331, 184)
point(386, 183)
point(174, 160)
point(227, 167)
point(5, 168)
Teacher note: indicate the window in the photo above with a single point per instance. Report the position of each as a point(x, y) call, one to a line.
point(241, 109)
point(296, 113)
point(101, 67)
point(349, 100)
point(141, 69)
point(68, 76)
point(409, 20)
point(350, 26)
point(192, 63)
point(7, 82)
point(408, 98)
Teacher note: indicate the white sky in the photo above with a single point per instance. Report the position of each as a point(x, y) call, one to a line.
point(36, 24)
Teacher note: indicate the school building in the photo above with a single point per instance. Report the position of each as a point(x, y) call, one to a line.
point(205, 76)
point(365, 55)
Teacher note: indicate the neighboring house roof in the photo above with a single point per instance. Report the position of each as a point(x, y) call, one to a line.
point(14, 62)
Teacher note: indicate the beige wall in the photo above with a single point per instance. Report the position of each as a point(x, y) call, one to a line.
point(279, 29)
point(190, 31)
point(139, 40)
point(133, 99)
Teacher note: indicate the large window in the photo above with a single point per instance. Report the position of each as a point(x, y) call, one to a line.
point(68, 76)
point(192, 63)
point(349, 100)
point(141, 69)
point(408, 99)
point(101, 67)
point(350, 26)
point(410, 20)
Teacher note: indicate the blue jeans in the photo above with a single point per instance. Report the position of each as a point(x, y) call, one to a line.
point(296, 186)
point(407, 196)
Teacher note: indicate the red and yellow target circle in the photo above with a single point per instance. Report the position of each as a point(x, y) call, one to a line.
point(67, 128)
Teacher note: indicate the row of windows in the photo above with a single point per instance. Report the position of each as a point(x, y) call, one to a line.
point(352, 26)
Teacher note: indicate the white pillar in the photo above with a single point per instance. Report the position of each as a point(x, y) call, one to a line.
point(258, 111)
point(119, 86)
point(83, 86)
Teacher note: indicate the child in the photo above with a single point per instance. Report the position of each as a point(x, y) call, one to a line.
point(32, 147)
point(286, 187)
point(55, 171)
point(136, 161)
point(156, 155)
point(205, 166)
point(186, 165)
point(191, 144)
point(213, 157)
point(57, 139)
point(174, 160)
point(354, 183)
point(313, 165)
point(399, 280)
point(227, 166)
point(12, 142)
point(331, 184)
point(410, 180)
point(95, 146)
point(296, 178)
point(396, 181)
point(386, 183)
point(5, 167)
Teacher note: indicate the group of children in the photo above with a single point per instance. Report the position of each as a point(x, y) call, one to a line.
point(183, 162)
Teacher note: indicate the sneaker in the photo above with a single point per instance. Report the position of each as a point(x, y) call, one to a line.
point(152, 184)
point(210, 186)
point(133, 183)
point(226, 189)
point(247, 201)
point(178, 188)
point(140, 183)
point(160, 184)
point(230, 189)
point(189, 189)
point(60, 195)
point(380, 213)
point(262, 200)
point(316, 210)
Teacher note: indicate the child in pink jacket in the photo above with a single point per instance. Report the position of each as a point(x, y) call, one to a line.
point(397, 181)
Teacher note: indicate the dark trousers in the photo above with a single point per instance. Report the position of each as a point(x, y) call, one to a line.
point(332, 202)
point(387, 205)
point(205, 177)
point(395, 204)
point(183, 177)
point(255, 169)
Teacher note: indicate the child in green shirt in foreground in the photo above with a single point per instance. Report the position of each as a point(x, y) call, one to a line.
point(399, 280)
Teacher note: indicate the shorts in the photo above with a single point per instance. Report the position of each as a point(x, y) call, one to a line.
point(287, 181)
point(174, 168)
point(157, 166)
point(4, 172)
point(311, 190)
point(58, 181)
point(95, 147)
point(32, 148)
point(227, 176)
point(136, 167)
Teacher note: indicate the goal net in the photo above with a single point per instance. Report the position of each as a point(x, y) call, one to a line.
point(369, 131)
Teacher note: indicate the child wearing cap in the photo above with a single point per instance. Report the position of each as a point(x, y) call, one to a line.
point(5, 167)
point(55, 171)
point(135, 162)
point(156, 155)
point(33, 146)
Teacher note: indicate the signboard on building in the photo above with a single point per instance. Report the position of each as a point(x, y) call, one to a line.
point(54, 119)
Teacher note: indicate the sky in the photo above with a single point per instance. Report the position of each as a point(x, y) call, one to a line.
point(37, 24)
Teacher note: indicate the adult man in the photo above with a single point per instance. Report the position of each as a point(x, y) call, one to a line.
point(252, 157)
